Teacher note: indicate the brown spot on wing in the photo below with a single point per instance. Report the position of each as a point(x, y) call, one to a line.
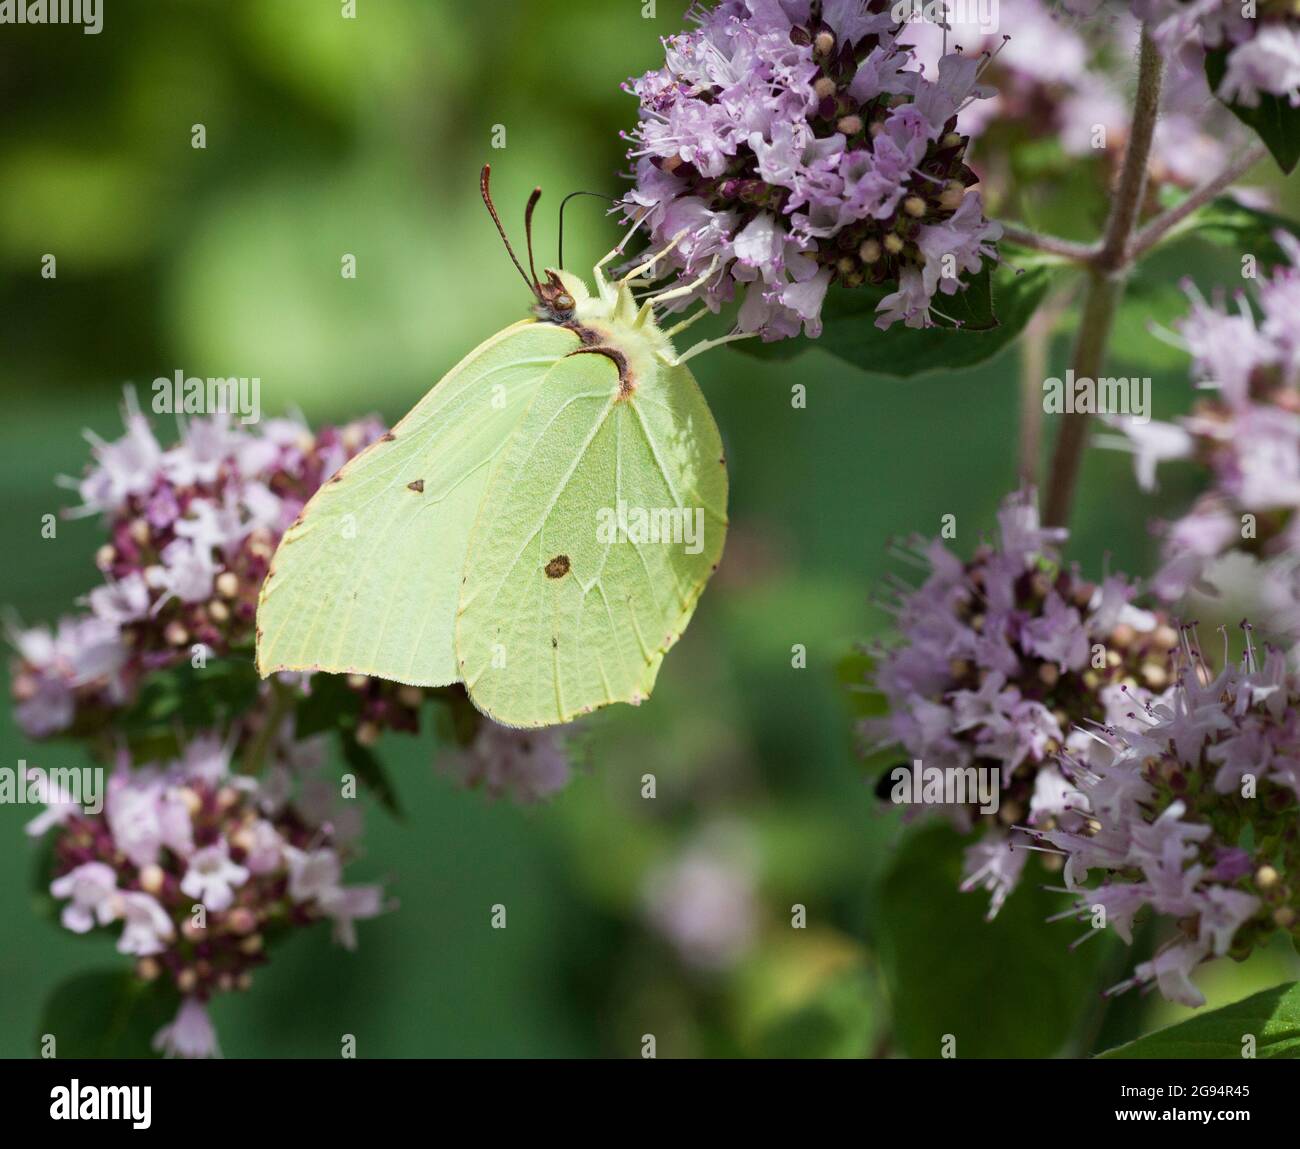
point(417, 486)
point(558, 567)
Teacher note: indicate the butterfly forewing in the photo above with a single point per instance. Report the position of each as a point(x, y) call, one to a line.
point(367, 580)
point(597, 533)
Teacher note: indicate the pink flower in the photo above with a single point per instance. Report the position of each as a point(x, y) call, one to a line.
point(993, 864)
point(1247, 432)
point(190, 1035)
point(121, 469)
point(525, 765)
point(262, 846)
point(145, 815)
point(1263, 48)
point(345, 905)
point(312, 873)
point(1268, 63)
point(121, 601)
point(212, 877)
point(148, 928)
point(704, 902)
point(81, 656)
point(314, 878)
point(92, 887)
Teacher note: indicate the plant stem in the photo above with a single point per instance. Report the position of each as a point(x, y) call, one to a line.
point(1150, 235)
point(1054, 245)
point(280, 704)
point(1034, 344)
point(1146, 237)
point(1106, 279)
point(1101, 298)
point(1127, 203)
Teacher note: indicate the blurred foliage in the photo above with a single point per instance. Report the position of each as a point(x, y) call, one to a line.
point(1271, 1018)
point(106, 1013)
point(327, 137)
point(1005, 988)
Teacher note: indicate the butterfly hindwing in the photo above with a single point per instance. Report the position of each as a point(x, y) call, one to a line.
point(366, 581)
point(569, 603)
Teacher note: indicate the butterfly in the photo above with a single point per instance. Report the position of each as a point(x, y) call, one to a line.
point(539, 527)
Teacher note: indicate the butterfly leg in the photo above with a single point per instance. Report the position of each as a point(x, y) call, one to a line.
point(636, 272)
point(598, 272)
point(705, 345)
point(648, 306)
point(689, 322)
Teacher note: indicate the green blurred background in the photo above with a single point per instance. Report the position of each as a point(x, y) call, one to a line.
point(328, 136)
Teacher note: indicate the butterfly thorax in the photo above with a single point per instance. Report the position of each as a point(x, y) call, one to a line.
point(611, 323)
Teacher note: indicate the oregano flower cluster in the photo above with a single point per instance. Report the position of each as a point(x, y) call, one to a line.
point(197, 869)
point(1193, 819)
point(1051, 82)
point(788, 145)
point(224, 826)
point(1002, 659)
point(1165, 790)
point(191, 530)
point(1261, 41)
point(1245, 429)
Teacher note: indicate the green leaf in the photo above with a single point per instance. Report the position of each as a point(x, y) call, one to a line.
point(331, 704)
point(107, 1013)
point(455, 721)
point(190, 698)
point(1006, 988)
point(854, 672)
point(371, 772)
point(1271, 1017)
point(835, 1022)
point(992, 311)
point(1247, 230)
point(45, 905)
point(1274, 120)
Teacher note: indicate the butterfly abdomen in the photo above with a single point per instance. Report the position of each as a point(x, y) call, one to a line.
point(626, 383)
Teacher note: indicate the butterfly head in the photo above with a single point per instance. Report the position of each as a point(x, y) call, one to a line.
point(557, 301)
point(556, 296)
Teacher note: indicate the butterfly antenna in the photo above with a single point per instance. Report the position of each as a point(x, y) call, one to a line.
point(528, 233)
point(571, 195)
point(483, 183)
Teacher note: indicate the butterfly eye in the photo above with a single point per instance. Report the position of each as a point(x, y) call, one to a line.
point(564, 302)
